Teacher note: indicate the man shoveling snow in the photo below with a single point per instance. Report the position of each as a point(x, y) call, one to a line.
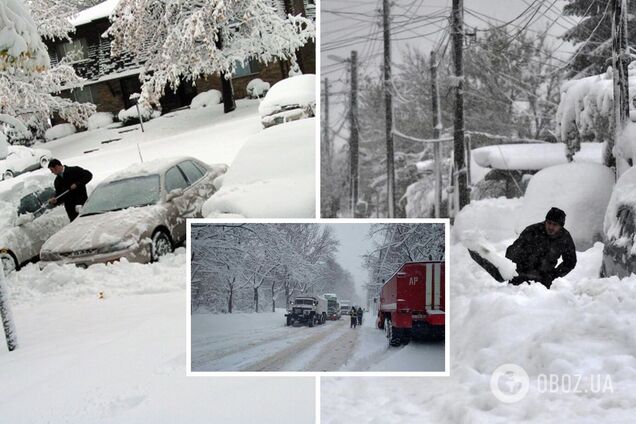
point(535, 253)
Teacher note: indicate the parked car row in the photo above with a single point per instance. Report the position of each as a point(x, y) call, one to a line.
point(22, 159)
point(138, 214)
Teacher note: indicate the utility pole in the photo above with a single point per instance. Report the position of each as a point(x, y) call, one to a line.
point(5, 314)
point(437, 127)
point(458, 122)
point(353, 131)
point(390, 168)
point(326, 140)
point(620, 60)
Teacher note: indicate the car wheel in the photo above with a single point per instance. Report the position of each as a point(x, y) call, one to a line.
point(7, 174)
point(9, 264)
point(44, 161)
point(161, 245)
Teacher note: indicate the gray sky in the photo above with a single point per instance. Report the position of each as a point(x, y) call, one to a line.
point(353, 244)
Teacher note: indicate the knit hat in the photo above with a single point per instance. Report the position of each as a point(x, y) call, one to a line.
point(556, 215)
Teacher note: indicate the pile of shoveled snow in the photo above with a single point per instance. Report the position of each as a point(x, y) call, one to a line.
point(116, 279)
point(580, 331)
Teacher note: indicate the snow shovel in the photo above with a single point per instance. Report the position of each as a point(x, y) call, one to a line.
point(28, 217)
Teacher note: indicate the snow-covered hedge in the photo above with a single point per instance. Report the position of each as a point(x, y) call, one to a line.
point(257, 88)
point(582, 190)
point(59, 131)
point(130, 116)
point(210, 97)
point(99, 120)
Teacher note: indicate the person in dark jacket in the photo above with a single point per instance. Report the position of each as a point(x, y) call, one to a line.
point(360, 316)
point(70, 186)
point(537, 251)
point(354, 318)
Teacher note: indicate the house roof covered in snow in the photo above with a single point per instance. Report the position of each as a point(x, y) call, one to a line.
point(102, 10)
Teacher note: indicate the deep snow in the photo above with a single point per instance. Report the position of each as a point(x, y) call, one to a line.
point(583, 326)
point(121, 359)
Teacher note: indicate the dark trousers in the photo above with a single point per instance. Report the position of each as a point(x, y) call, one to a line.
point(354, 321)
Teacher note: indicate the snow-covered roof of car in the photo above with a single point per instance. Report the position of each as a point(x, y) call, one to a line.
point(533, 156)
point(156, 166)
point(99, 11)
point(299, 89)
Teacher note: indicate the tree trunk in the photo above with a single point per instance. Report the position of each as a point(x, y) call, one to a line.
point(273, 299)
point(229, 300)
point(226, 85)
point(256, 299)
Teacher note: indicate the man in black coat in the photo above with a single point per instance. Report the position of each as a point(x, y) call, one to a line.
point(537, 251)
point(72, 180)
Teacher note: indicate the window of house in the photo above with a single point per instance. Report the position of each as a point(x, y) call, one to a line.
point(248, 68)
point(75, 50)
point(82, 95)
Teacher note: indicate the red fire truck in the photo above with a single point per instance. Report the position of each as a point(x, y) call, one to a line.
point(412, 303)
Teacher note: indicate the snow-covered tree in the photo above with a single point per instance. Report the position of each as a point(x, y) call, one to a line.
point(184, 39)
point(592, 35)
point(397, 243)
point(28, 84)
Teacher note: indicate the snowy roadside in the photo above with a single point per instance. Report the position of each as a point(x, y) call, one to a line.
point(121, 358)
point(583, 328)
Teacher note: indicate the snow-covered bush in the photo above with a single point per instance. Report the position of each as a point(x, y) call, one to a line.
point(210, 97)
point(129, 116)
point(582, 190)
point(257, 88)
point(59, 131)
point(99, 120)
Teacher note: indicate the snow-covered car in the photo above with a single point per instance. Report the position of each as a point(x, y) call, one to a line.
point(509, 167)
point(619, 228)
point(272, 176)
point(138, 213)
point(288, 100)
point(22, 159)
point(27, 221)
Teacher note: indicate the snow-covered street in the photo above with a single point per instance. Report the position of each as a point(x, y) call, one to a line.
point(207, 134)
point(122, 358)
point(262, 342)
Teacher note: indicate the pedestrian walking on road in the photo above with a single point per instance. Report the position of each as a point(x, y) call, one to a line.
point(360, 315)
point(354, 318)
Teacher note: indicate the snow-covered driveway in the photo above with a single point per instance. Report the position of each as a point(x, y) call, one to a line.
point(262, 342)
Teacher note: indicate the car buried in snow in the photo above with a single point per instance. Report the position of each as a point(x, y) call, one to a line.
point(137, 214)
point(22, 159)
point(289, 100)
point(272, 176)
point(27, 221)
point(307, 310)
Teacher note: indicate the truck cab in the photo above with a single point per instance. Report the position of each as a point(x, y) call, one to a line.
point(307, 310)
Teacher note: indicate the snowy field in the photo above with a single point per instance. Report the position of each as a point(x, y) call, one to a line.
point(580, 335)
point(207, 134)
point(122, 358)
point(262, 342)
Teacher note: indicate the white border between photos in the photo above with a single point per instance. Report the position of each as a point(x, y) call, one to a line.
point(445, 373)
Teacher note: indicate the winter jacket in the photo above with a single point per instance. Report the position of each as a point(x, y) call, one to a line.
point(536, 254)
point(72, 175)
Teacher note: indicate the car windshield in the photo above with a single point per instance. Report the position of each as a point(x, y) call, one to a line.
point(28, 204)
point(304, 302)
point(123, 194)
